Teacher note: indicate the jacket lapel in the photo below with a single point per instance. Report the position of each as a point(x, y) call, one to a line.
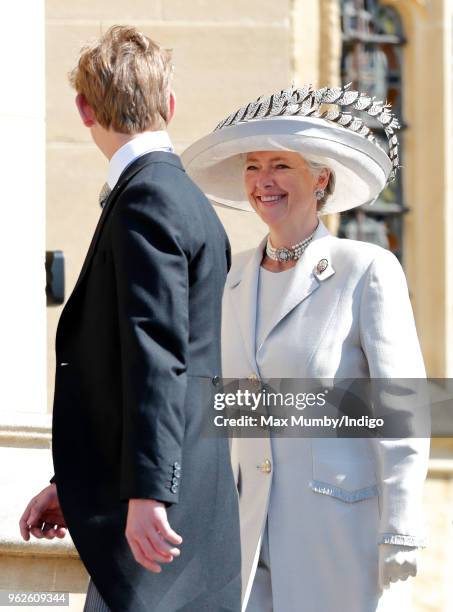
point(308, 276)
point(244, 294)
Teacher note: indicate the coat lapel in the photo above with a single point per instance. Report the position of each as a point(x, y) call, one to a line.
point(308, 276)
point(244, 293)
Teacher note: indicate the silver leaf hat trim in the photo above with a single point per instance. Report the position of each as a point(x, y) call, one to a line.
point(307, 102)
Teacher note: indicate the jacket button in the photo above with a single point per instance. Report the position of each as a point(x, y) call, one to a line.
point(216, 381)
point(174, 480)
point(254, 381)
point(176, 465)
point(265, 467)
point(174, 488)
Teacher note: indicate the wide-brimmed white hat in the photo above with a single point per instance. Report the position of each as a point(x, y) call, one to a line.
point(291, 120)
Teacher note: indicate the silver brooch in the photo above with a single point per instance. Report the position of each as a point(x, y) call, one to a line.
point(322, 265)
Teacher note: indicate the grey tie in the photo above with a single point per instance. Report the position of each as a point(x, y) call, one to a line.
point(104, 194)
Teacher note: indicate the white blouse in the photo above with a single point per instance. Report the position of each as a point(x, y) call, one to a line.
point(271, 287)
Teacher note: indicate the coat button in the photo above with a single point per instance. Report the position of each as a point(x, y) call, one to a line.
point(265, 467)
point(174, 488)
point(174, 480)
point(176, 465)
point(216, 381)
point(254, 380)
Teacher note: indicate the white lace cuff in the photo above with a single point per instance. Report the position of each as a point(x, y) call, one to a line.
point(344, 495)
point(402, 540)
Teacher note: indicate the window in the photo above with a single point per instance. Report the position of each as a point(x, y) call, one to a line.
point(372, 61)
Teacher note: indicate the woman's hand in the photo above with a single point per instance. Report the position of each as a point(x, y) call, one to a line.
point(396, 563)
point(43, 517)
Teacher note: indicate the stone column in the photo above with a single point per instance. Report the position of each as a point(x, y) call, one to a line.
point(305, 19)
point(330, 43)
point(24, 424)
point(330, 48)
point(22, 244)
point(317, 52)
point(428, 161)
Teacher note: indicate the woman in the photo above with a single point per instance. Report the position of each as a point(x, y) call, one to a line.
point(326, 523)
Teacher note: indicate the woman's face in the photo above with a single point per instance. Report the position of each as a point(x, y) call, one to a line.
point(280, 187)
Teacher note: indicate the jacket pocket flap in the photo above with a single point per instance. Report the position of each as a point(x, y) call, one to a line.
point(343, 494)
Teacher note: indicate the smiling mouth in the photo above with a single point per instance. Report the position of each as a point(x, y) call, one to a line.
point(269, 200)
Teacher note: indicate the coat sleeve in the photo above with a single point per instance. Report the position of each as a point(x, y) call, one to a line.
point(151, 269)
point(389, 340)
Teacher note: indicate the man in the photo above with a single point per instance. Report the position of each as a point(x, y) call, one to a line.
point(140, 487)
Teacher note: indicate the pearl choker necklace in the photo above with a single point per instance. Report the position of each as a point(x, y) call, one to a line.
point(284, 254)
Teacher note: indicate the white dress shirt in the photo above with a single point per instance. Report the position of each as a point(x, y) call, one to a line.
point(135, 148)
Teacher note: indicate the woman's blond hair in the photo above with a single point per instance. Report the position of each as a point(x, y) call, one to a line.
point(125, 78)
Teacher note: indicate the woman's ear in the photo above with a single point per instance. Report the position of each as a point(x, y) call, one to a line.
point(323, 178)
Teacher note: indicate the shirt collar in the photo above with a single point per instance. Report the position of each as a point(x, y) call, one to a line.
point(138, 146)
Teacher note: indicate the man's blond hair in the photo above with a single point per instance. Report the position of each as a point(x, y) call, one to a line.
point(125, 78)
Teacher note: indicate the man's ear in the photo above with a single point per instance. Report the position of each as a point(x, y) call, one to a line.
point(85, 111)
point(171, 106)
